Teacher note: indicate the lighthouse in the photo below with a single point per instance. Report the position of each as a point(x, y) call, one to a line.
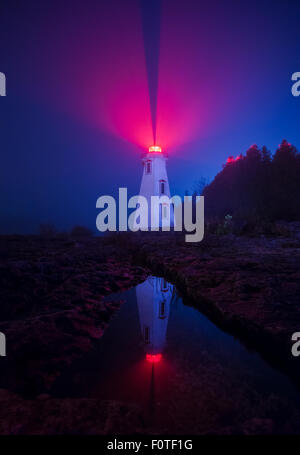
point(154, 298)
point(155, 183)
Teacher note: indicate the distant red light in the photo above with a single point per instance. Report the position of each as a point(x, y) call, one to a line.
point(231, 159)
point(155, 148)
point(153, 358)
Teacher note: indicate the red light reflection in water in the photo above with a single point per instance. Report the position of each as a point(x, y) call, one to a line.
point(153, 358)
point(134, 381)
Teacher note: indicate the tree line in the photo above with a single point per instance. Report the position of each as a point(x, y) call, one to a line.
point(257, 185)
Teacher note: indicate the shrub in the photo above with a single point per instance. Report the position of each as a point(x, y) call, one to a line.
point(81, 232)
point(47, 230)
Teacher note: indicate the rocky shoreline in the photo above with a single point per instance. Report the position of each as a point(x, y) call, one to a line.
point(249, 287)
point(53, 309)
point(52, 303)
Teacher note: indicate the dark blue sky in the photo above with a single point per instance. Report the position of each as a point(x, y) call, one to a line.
point(87, 82)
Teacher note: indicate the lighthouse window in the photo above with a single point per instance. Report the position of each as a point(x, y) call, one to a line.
point(148, 167)
point(162, 310)
point(147, 335)
point(162, 186)
point(164, 284)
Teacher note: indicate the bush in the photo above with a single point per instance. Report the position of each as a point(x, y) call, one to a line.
point(47, 230)
point(81, 232)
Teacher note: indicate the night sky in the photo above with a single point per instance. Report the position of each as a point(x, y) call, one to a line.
point(91, 84)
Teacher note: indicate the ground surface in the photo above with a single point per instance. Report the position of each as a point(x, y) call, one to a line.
point(249, 286)
point(52, 311)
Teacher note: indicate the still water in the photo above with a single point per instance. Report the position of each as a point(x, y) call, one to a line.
point(184, 373)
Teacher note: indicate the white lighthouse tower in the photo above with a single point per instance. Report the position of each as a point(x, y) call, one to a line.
point(154, 298)
point(155, 183)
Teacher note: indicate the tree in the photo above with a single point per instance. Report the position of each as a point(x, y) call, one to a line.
point(257, 185)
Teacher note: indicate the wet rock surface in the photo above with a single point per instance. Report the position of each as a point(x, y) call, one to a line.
point(53, 310)
point(248, 286)
point(47, 415)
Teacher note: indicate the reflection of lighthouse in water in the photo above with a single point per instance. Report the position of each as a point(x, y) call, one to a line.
point(154, 299)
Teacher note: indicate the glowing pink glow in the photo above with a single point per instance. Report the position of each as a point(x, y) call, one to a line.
point(98, 71)
point(188, 100)
point(231, 159)
point(155, 148)
point(153, 358)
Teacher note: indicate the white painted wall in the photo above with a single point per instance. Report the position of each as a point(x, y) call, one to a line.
point(150, 185)
point(149, 296)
